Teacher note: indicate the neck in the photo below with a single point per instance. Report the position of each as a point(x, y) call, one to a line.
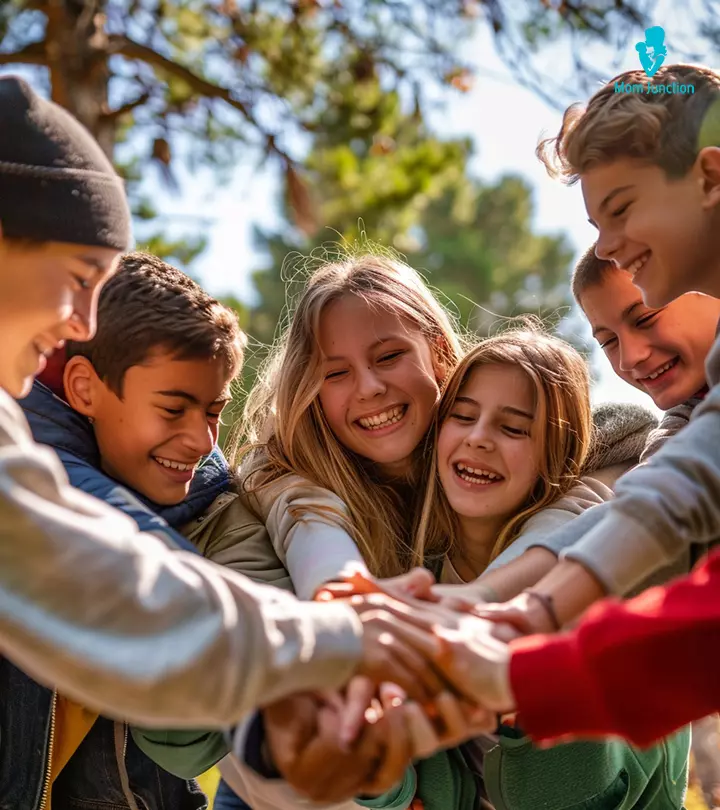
point(475, 542)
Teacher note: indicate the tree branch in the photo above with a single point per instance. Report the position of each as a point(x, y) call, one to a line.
point(124, 46)
point(113, 115)
point(32, 54)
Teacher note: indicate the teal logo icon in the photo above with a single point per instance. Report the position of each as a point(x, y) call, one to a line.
point(652, 51)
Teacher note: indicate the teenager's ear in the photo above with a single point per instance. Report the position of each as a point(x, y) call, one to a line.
point(709, 164)
point(82, 386)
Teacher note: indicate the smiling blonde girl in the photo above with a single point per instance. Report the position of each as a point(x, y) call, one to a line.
point(339, 417)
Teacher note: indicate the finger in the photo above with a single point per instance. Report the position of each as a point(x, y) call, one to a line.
point(417, 583)
point(391, 695)
point(410, 611)
point(460, 604)
point(505, 615)
point(396, 756)
point(414, 672)
point(452, 720)
point(324, 773)
point(334, 590)
point(359, 693)
point(505, 632)
point(424, 739)
point(332, 698)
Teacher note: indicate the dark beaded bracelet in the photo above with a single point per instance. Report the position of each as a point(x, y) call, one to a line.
point(547, 602)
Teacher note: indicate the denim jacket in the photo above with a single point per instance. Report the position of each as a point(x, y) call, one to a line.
point(108, 770)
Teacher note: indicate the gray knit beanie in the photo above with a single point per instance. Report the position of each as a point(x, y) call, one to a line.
point(56, 184)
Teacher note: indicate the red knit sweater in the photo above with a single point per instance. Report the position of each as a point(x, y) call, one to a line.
point(639, 669)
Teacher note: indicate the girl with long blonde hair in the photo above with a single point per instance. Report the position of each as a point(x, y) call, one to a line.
point(513, 431)
point(335, 426)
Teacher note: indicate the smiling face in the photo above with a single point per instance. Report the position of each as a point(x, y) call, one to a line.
point(659, 351)
point(380, 382)
point(663, 231)
point(153, 438)
point(488, 452)
point(48, 294)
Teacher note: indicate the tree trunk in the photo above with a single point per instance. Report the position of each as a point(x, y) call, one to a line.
point(76, 47)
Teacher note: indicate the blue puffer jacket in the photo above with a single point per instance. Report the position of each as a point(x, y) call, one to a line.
point(108, 770)
point(55, 423)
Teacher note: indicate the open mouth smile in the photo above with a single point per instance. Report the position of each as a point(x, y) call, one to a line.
point(659, 373)
point(476, 476)
point(384, 419)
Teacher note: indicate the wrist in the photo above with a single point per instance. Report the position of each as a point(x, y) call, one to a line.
point(535, 615)
point(545, 602)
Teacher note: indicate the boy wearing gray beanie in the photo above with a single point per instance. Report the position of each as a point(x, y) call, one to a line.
point(64, 218)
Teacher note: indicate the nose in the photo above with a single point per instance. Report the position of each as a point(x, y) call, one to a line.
point(82, 324)
point(480, 437)
point(633, 352)
point(608, 244)
point(199, 437)
point(368, 384)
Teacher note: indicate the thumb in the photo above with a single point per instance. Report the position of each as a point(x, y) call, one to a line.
point(418, 582)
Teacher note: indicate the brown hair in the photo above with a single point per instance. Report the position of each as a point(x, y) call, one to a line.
point(285, 421)
point(589, 272)
point(148, 305)
point(562, 386)
point(666, 129)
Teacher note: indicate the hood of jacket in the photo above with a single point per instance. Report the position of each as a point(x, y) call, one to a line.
point(55, 423)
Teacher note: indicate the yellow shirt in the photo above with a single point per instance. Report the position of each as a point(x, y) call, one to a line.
point(72, 724)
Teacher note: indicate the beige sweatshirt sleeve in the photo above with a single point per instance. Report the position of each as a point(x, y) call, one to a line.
point(589, 491)
point(117, 621)
point(309, 530)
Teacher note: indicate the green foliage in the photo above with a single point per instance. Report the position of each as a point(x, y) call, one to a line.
point(473, 242)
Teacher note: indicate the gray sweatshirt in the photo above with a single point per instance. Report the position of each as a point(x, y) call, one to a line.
point(119, 622)
point(666, 512)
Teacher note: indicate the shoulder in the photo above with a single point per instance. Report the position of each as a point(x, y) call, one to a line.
point(620, 431)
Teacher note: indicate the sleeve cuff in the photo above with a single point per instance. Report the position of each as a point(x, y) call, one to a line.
point(552, 691)
point(619, 551)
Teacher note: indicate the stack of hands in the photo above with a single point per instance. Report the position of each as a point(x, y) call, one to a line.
point(434, 673)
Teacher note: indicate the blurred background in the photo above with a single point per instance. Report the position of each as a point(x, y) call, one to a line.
point(252, 132)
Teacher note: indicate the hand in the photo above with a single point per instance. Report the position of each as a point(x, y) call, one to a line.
point(399, 646)
point(476, 664)
point(416, 583)
point(302, 733)
point(463, 598)
point(524, 614)
point(301, 738)
point(445, 723)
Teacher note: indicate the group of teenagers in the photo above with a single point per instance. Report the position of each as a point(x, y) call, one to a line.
point(358, 603)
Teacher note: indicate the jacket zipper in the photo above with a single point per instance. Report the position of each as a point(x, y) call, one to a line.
point(48, 768)
point(120, 752)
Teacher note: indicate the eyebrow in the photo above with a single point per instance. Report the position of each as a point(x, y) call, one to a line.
point(505, 408)
point(377, 343)
point(97, 265)
point(609, 198)
point(193, 400)
point(623, 316)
